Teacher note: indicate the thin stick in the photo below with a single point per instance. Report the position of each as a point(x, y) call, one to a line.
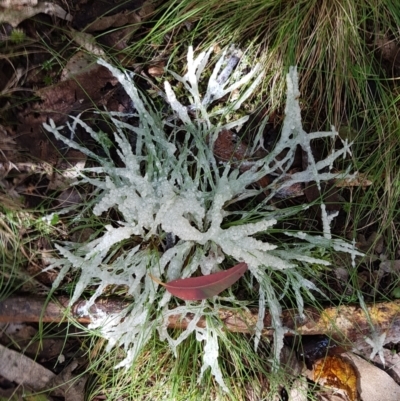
point(346, 323)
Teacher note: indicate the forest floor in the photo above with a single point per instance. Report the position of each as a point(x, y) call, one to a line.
point(48, 71)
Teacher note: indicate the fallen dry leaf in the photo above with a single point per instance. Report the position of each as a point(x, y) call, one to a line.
point(23, 370)
point(18, 368)
point(79, 63)
point(69, 384)
point(392, 363)
point(156, 70)
point(78, 93)
point(125, 17)
point(338, 373)
point(18, 3)
point(14, 14)
point(230, 147)
point(375, 384)
point(198, 288)
point(87, 41)
point(361, 180)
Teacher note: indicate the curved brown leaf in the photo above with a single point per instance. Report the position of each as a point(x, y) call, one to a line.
point(198, 288)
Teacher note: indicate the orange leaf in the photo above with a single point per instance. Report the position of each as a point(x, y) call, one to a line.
point(338, 373)
point(197, 288)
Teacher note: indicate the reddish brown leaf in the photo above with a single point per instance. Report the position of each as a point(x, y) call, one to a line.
point(197, 288)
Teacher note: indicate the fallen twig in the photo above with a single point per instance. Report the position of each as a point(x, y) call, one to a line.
point(345, 323)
